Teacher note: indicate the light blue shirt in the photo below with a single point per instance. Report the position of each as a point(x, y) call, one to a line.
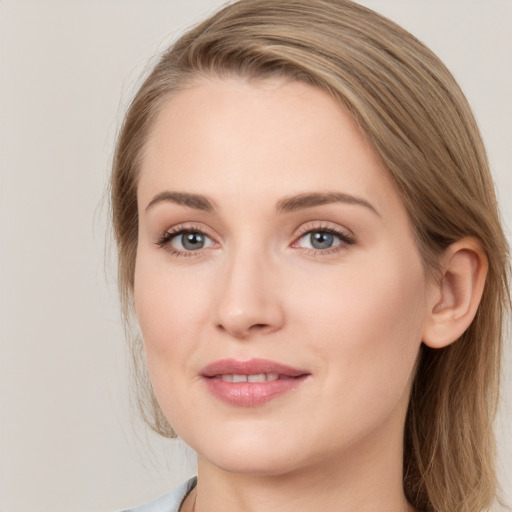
point(170, 502)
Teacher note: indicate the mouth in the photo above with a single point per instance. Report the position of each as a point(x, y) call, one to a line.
point(259, 377)
point(250, 383)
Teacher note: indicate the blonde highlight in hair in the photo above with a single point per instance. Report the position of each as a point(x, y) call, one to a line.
point(420, 125)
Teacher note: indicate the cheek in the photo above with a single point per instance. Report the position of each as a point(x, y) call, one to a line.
point(170, 314)
point(368, 320)
point(372, 298)
point(169, 309)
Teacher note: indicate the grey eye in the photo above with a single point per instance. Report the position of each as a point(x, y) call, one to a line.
point(319, 240)
point(191, 241)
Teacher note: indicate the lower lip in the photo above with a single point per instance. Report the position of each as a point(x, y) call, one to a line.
point(250, 394)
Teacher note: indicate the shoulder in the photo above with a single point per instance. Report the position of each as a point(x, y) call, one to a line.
point(169, 502)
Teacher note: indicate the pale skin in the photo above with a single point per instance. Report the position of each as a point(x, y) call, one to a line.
point(222, 162)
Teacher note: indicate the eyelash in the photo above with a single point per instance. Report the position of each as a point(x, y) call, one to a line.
point(345, 240)
point(164, 242)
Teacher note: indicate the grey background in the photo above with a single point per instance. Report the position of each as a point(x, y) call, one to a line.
point(69, 440)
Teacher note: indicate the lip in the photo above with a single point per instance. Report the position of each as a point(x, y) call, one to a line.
point(250, 394)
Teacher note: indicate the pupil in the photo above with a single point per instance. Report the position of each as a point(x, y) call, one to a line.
point(321, 240)
point(193, 241)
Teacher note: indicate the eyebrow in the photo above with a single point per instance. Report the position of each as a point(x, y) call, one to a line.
point(196, 201)
point(288, 204)
point(309, 200)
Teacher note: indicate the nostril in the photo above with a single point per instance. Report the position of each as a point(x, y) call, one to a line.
point(258, 327)
point(243, 332)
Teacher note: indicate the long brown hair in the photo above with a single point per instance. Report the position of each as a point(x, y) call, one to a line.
point(414, 115)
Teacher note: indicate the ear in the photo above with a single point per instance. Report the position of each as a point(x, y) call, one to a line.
point(454, 298)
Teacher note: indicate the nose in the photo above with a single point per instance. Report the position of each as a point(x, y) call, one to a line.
point(249, 302)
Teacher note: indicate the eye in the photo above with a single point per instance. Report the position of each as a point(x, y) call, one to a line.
point(190, 241)
point(324, 240)
point(185, 241)
point(319, 240)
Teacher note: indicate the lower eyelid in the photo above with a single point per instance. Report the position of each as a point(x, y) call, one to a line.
point(166, 239)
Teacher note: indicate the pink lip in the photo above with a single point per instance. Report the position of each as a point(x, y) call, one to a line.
point(249, 394)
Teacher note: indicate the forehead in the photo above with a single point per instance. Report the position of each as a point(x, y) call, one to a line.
point(251, 139)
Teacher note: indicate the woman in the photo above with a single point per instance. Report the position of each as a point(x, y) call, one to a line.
point(308, 235)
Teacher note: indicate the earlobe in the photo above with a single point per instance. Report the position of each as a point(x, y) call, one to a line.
point(454, 299)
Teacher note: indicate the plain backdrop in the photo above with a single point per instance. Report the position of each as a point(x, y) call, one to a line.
point(69, 440)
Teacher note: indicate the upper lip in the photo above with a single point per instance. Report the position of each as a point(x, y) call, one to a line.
point(250, 367)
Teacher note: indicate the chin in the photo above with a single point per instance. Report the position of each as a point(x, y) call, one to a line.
point(260, 465)
point(248, 453)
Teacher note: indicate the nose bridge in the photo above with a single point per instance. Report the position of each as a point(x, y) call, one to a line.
point(248, 301)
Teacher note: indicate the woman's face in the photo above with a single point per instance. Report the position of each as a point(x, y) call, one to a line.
point(279, 291)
